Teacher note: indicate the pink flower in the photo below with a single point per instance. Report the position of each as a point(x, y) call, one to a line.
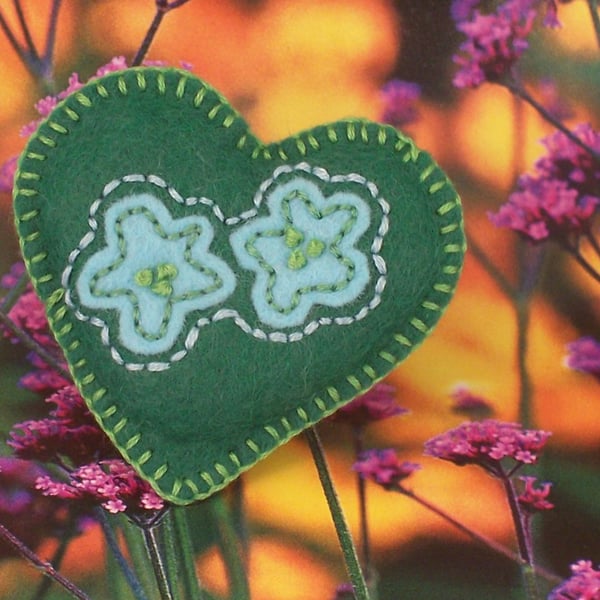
point(29, 315)
point(30, 516)
point(7, 174)
point(376, 404)
point(384, 467)
point(488, 444)
point(534, 499)
point(551, 16)
point(10, 279)
point(399, 99)
point(584, 584)
point(344, 591)
point(584, 355)
point(69, 435)
point(560, 198)
point(552, 101)
point(494, 43)
point(468, 403)
point(462, 10)
point(112, 484)
point(43, 379)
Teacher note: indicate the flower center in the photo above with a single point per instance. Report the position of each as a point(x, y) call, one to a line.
point(301, 253)
point(159, 279)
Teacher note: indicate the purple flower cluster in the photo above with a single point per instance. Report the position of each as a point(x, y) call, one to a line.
point(488, 444)
point(344, 591)
point(384, 467)
point(534, 499)
point(7, 174)
point(468, 403)
point(30, 516)
point(374, 405)
point(561, 196)
point(495, 40)
point(584, 355)
point(70, 437)
point(584, 584)
point(28, 315)
point(399, 99)
point(111, 483)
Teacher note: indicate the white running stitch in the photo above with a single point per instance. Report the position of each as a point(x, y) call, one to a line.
point(229, 313)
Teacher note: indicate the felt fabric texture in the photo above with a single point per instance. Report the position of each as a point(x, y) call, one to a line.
point(214, 295)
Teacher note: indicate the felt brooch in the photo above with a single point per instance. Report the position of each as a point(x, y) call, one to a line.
point(214, 295)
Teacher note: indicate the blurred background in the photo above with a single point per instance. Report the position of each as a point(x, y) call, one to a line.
point(287, 65)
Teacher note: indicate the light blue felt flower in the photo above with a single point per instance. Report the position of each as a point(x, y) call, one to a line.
point(303, 253)
point(154, 270)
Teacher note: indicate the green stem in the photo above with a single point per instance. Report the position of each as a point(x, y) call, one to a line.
point(44, 566)
point(348, 549)
point(587, 267)
point(113, 545)
point(522, 309)
point(48, 57)
point(25, 30)
point(173, 565)
point(34, 346)
point(55, 561)
point(521, 92)
point(190, 582)
point(474, 535)
point(238, 510)
point(26, 59)
point(524, 542)
point(230, 548)
point(138, 555)
point(14, 294)
point(162, 8)
point(365, 542)
point(157, 561)
point(492, 270)
point(593, 6)
point(531, 263)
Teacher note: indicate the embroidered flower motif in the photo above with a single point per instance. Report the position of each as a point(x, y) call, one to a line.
point(153, 271)
point(304, 253)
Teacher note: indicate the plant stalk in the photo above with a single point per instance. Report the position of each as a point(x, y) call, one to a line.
point(190, 582)
point(355, 573)
point(524, 542)
point(593, 6)
point(230, 548)
point(44, 566)
point(157, 561)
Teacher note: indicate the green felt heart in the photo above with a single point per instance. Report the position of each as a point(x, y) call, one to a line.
point(214, 295)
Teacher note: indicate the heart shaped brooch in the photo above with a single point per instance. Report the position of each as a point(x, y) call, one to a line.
point(215, 295)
